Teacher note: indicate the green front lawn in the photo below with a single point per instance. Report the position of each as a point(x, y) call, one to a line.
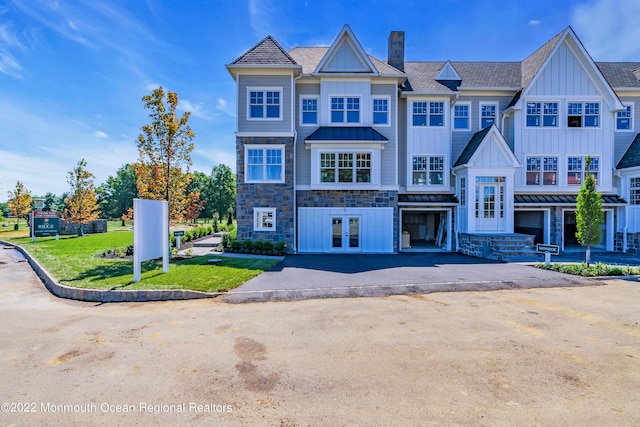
point(73, 261)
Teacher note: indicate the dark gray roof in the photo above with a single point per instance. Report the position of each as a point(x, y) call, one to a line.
point(472, 146)
point(561, 199)
point(422, 75)
point(326, 133)
point(310, 57)
point(621, 74)
point(531, 65)
point(266, 52)
point(428, 198)
point(631, 157)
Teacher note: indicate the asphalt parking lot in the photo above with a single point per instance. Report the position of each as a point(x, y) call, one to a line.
point(548, 356)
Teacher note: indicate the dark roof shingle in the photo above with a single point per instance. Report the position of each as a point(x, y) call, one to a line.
point(472, 146)
point(266, 52)
point(631, 157)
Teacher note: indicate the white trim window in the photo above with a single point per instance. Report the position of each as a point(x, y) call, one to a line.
point(427, 170)
point(264, 103)
point(427, 113)
point(576, 169)
point(345, 168)
point(542, 171)
point(461, 117)
point(542, 114)
point(634, 191)
point(624, 119)
point(583, 114)
point(264, 219)
point(463, 191)
point(380, 111)
point(264, 163)
point(488, 115)
point(345, 109)
point(308, 110)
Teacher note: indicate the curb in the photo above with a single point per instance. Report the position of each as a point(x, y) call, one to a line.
point(97, 295)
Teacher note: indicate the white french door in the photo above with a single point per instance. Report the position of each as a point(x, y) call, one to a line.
point(490, 206)
point(345, 233)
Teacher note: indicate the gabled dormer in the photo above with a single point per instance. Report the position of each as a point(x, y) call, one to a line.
point(448, 76)
point(346, 55)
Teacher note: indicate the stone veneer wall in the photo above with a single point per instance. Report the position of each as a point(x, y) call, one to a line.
point(265, 195)
point(352, 199)
point(633, 242)
point(95, 226)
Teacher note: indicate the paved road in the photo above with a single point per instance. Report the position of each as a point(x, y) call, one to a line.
point(559, 356)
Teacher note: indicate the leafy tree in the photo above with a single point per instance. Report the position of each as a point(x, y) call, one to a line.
point(82, 203)
point(197, 187)
point(165, 149)
point(53, 203)
point(116, 194)
point(589, 215)
point(220, 196)
point(19, 203)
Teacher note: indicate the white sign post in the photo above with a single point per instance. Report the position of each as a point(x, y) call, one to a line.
point(150, 234)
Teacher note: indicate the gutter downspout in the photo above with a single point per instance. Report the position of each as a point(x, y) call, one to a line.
point(457, 221)
point(295, 162)
point(625, 247)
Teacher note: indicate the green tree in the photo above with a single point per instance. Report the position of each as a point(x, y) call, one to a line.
point(165, 149)
point(116, 194)
point(589, 215)
point(53, 203)
point(19, 203)
point(82, 202)
point(220, 196)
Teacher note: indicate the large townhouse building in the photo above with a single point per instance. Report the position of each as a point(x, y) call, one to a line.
point(339, 151)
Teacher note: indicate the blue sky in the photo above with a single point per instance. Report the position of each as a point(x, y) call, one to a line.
point(72, 73)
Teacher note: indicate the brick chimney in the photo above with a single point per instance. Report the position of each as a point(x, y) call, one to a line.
point(395, 55)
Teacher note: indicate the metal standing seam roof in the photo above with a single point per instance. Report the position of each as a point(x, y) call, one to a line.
point(562, 199)
point(327, 133)
point(631, 157)
point(428, 198)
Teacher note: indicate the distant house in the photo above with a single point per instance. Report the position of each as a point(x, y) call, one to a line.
point(338, 151)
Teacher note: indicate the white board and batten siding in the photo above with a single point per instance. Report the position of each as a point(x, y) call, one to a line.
point(564, 80)
point(376, 229)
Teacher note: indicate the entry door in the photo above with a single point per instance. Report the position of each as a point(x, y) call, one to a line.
point(345, 233)
point(490, 206)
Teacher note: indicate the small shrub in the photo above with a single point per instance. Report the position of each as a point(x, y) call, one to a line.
point(233, 234)
point(268, 248)
point(225, 240)
point(222, 228)
point(236, 245)
point(258, 246)
point(247, 246)
point(281, 248)
point(129, 250)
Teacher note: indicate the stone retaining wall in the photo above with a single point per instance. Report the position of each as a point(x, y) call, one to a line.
point(95, 226)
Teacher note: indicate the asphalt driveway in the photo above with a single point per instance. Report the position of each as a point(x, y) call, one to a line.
point(300, 277)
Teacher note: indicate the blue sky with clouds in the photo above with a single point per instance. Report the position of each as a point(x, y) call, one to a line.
point(73, 72)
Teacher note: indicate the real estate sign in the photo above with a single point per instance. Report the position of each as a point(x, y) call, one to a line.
point(46, 223)
point(150, 234)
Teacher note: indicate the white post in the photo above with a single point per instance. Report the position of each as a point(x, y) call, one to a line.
point(178, 242)
point(165, 236)
point(547, 258)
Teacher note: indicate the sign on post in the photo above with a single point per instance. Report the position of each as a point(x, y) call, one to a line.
point(178, 234)
point(150, 234)
point(45, 223)
point(547, 250)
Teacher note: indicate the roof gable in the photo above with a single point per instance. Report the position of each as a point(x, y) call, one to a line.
point(487, 149)
point(345, 55)
point(266, 51)
point(448, 73)
point(631, 157)
point(565, 53)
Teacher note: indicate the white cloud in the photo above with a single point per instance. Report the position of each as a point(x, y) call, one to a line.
point(197, 110)
point(534, 22)
point(609, 29)
point(224, 106)
point(261, 17)
point(205, 160)
point(9, 65)
point(100, 134)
